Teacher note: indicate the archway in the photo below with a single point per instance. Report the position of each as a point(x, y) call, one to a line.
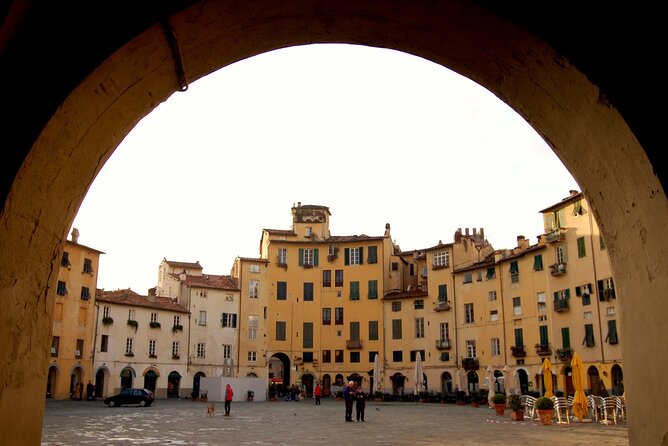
point(617, 380)
point(499, 382)
point(565, 99)
point(173, 384)
point(568, 380)
point(280, 368)
point(307, 384)
point(52, 380)
point(472, 381)
point(76, 383)
point(326, 385)
point(101, 382)
point(398, 380)
point(594, 380)
point(196, 388)
point(127, 377)
point(523, 379)
point(446, 383)
point(151, 379)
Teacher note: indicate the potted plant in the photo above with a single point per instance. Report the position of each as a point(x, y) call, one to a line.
point(423, 396)
point(461, 398)
point(499, 400)
point(516, 408)
point(545, 408)
point(378, 395)
point(475, 399)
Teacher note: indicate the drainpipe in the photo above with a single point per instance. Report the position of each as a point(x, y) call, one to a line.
point(97, 314)
point(598, 300)
point(190, 313)
point(503, 316)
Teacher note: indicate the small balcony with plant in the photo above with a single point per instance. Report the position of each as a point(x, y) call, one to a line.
point(443, 344)
point(470, 363)
point(564, 354)
point(354, 344)
point(518, 351)
point(543, 349)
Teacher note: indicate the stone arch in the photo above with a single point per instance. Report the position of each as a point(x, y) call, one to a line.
point(102, 376)
point(97, 104)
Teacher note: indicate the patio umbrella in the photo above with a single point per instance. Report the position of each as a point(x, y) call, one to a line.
point(417, 388)
point(580, 406)
point(490, 386)
point(376, 373)
point(547, 378)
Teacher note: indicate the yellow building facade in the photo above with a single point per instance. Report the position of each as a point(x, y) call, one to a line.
point(71, 353)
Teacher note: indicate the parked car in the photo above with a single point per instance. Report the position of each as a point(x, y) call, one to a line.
point(141, 397)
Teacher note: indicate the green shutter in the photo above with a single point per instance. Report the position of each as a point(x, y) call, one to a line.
point(538, 263)
point(373, 330)
point(566, 337)
point(490, 273)
point(308, 335)
point(582, 252)
point(315, 257)
point(544, 340)
point(442, 292)
point(514, 269)
point(519, 338)
point(346, 256)
point(373, 289)
point(301, 256)
point(373, 254)
point(361, 255)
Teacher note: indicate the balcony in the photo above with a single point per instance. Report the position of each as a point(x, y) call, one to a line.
point(518, 352)
point(442, 305)
point(565, 354)
point(558, 269)
point(443, 344)
point(543, 350)
point(561, 305)
point(555, 236)
point(354, 344)
point(470, 363)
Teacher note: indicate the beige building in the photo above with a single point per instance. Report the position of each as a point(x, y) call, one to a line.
point(70, 366)
point(141, 341)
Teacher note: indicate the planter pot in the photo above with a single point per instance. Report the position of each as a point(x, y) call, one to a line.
point(545, 416)
point(517, 416)
point(500, 409)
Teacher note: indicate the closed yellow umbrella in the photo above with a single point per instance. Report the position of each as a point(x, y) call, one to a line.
point(580, 406)
point(547, 378)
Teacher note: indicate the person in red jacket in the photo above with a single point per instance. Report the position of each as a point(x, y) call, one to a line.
point(317, 393)
point(228, 399)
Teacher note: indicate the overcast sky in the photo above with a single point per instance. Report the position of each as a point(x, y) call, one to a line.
point(376, 135)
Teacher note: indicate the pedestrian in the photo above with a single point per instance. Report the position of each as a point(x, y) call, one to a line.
point(90, 388)
point(348, 394)
point(317, 393)
point(360, 404)
point(229, 393)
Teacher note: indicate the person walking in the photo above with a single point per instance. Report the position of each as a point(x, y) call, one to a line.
point(360, 404)
point(229, 393)
point(317, 393)
point(348, 395)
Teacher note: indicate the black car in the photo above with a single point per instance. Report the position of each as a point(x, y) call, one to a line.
point(141, 397)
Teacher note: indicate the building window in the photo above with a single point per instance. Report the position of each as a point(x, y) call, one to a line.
point(414, 354)
point(514, 272)
point(55, 344)
point(253, 289)
point(491, 273)
point(354, 356)
point(468, 278)
point(282, 256)
point(566, 337)
point(281, 290)
point(151, 348)
point(541, 300)
point(496, 347)
point(308, 291)
point(327, 356)
point(441, 259)
point(154, 317)
point(177, 321)
point(227, 351)
point(606, 289)
point(338, 355)
point(582, 250)
point(561, 256)
point(419, 327)
point(104, 343)
point(254, 268)
point(584, 291)
point(175, 349)
point(338, 277)
point(131, 315)
point(494, 315)
point(491, 295)
point(326, 316)
point(443, 331)
point(326, 278)
point(338, 316)
point(612, 332)
point(395, 266)
point(252, 356)
point(519, 338)
point(353, 256)
point(589, 335)
point(129, 342)
point(373, 254)
point(253, 326)
point(373, 330)
point(78, 352)
point(307, 338)
point(85, 293)
point(281, 330)
point(354, 291)
point(65, 260)
point(229, 320)
point(308, 258)
point(470, 349)
point(587, 315)
point(397, 356)
point(62, 288)
point(106, 311)
point(443, 293)
point(424, 271)
point(202, 318)
point(418, 304)
point(396, 329)
point(517, 306)
point(201, 350)
point(373, 289)
point(469, 317)
point(478, 276)
point(396, 306)
point(610, 311)
point(538, 262)
point(88, 266)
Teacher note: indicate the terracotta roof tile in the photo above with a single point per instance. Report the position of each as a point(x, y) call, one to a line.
point(130, 298)
point(281, 232)
point(394, 295)
point(177, 264)
point(212, 281)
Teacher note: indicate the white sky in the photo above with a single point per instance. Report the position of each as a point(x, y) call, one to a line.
point(376, 135)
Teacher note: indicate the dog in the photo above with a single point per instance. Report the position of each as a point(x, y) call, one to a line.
point(210, 410)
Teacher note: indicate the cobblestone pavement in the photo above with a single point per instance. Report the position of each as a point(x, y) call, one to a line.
point(184, 422)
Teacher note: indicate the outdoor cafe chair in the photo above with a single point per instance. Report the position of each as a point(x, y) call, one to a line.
point(562, 409)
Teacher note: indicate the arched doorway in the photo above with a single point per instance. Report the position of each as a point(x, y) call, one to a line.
point(617, 380)
point(100, 382)
point(499, 382)
point(568, 381)
point(326, 385)
point(76, 383)
point(307, 384)
point(196, 387)
point(127, 377)
point(594, 381)
point(398, 381)
point(279, 368)
point(173, 384)
point(446, 383)
point(473, 383)
point(51, 381)
point(523, 379)
point(151, 379)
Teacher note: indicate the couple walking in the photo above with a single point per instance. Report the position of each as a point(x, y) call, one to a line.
point(354, 394)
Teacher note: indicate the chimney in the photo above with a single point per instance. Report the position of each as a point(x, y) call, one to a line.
point(75, 235)
point(151, 294)
point(522, 242)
